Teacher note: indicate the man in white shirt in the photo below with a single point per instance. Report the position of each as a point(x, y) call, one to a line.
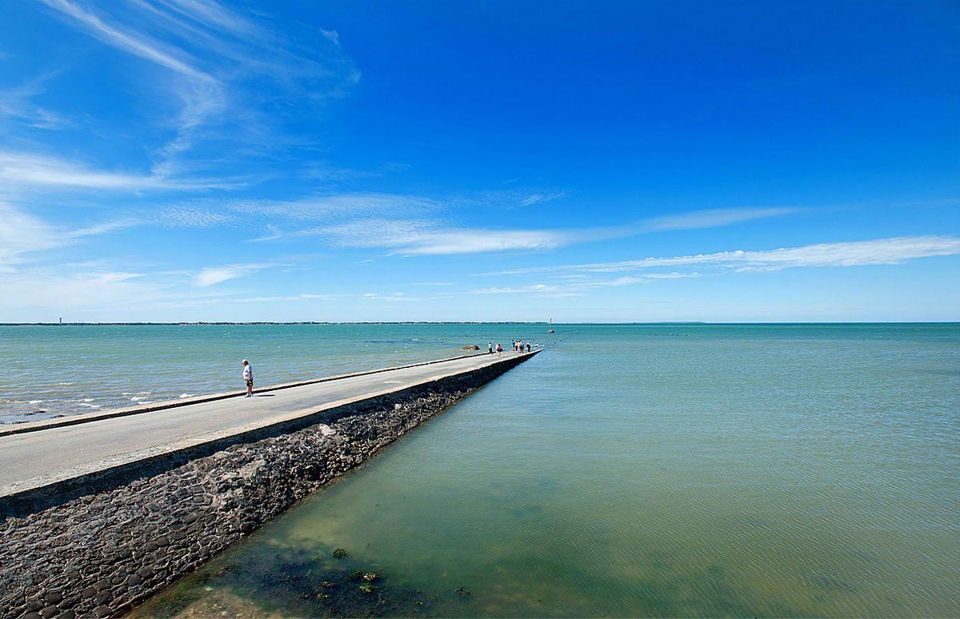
point(248, 377)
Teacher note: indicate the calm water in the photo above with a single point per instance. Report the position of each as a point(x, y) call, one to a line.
point(62, 370)
point(677, 470)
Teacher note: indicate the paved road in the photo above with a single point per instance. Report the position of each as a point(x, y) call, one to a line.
point(34, 459)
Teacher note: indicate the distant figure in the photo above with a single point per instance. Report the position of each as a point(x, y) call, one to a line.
point(248, 377)
point(490, 347)
point(499, 349)
point(528, 346)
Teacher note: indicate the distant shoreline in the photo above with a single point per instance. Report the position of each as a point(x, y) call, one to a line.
point(268, 322)
point(453, 322)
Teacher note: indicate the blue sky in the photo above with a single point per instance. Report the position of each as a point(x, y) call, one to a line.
point(187, 160)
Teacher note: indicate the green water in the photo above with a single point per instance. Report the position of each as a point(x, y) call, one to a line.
point(670, 470)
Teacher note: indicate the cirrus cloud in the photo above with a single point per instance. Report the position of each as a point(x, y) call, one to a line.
point(211, 276)
point(845, 254)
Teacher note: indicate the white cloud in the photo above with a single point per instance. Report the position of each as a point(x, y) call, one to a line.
point(211, 53)
point(856, 253)
point(45, 119)
point(132, 43)
point(22, 233)
point(399, 297)
point(425, 237)
point(31, 171)
point(407, 224)
point(213, 14)
point(415, 237)
point(337, 207)
point(298, 297)
point(44, 294)
point(201, 94)
point(537, 288)
point(184, 217)
point(16, 103)
point(713, 218)
point(214, 275)
point(581, 286)
point(331, 208)
point(540, 197)
point(103, 228)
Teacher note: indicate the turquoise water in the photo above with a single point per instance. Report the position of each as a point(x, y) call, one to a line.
point(667, 470)
point(65, 370)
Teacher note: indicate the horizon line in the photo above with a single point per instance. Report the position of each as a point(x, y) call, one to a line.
point(469, 322)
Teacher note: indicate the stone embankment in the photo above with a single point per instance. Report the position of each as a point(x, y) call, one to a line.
point(100, 554)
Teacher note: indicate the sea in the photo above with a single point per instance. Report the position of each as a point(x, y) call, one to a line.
point(628, 470)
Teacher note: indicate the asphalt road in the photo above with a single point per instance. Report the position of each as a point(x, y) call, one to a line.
point(37, 458)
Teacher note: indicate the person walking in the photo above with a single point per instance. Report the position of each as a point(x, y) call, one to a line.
point(490, 348)
point(248, 377)
point(499, 350)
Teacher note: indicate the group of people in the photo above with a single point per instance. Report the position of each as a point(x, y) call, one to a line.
point(518, 346)
point(248, 368)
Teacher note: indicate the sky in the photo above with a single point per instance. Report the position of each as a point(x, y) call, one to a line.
point(642, 161)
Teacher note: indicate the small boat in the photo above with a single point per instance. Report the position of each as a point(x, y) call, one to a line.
point(550, 330)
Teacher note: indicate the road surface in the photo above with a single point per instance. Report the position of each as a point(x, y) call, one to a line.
point(48, 454)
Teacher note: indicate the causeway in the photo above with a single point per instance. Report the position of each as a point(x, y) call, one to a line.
point(45, 453)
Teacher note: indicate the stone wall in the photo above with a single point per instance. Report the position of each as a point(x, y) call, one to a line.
point(134, 532)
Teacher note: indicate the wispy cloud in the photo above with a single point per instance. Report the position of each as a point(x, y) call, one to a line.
point(581, 286)
point(325, 171)
point(133, 43)
point(535, 288)
point(23, 234)
point(213, 14)
point(713, 218)
point(429, 237)
point(339, 207)
point(104, 227)
point(201, 94)
point(413, 225)
point(183, 217)
point(211, 276)
point(856, 253)
point(33, 294)
point(400, 297)
point(210, 53)
point(17, 103)
point(419, 237)
point(285, 218)
point(541, 197)
point(286, 298)
point(28, 171)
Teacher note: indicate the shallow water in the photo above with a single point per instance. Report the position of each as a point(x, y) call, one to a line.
point(54, 370)
point(678, 470)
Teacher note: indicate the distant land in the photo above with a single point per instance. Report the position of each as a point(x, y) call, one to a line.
point(448, 322)
point(205, 323)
